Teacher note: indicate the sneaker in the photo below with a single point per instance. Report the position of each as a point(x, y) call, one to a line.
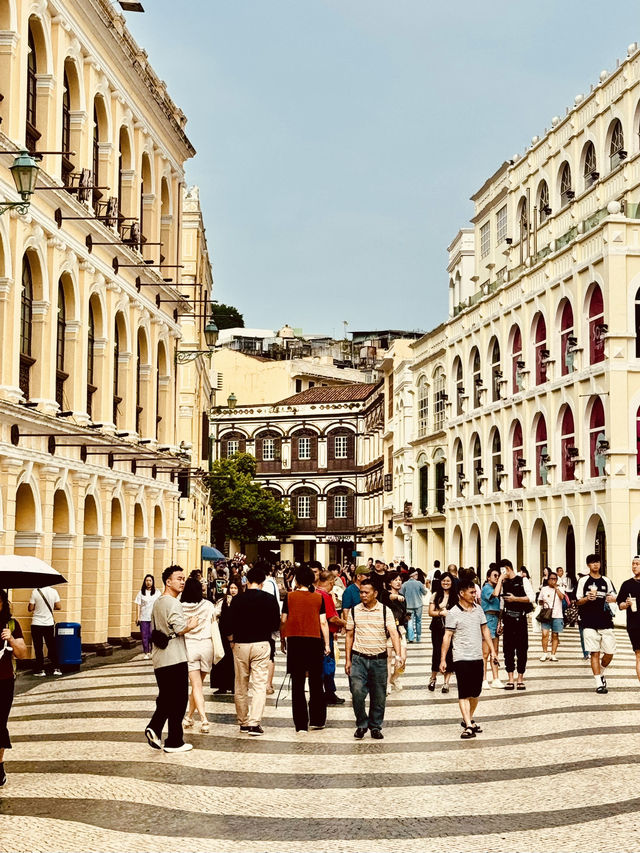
point(40, 674)
point(554, 658)
point(544, 657)
point(57, 672)
point(316, 728)
point(497, 684)
point(359, 733)
point(602, 689)
point(336, 700)
point(255, 731)
point(244, 729)
point(376, 734)
point(445, 688)
point(302, 731)
point(186, 747)
point(152, 738)
point(147, 656)
point(485, 685)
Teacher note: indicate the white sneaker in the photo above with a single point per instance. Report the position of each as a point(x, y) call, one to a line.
point(186, 747)
point(553, 657)
point(497, 684)
point(57, 672)
point(41, 674)
point(147, 656)
point(545, 656)
point(485, 685)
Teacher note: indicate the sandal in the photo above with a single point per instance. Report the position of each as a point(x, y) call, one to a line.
point(474, 726)
point(431, 685)
point(509, 686)
point(521, 686)
point(204, 727)
point(468, 733)
point(187, 722)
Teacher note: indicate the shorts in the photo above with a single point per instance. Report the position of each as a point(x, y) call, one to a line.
point(556, 626)
point(492, 623)
point(599, 640)
point(272, 647)
point(200, 654)
point(469, 676)
point(634, 636)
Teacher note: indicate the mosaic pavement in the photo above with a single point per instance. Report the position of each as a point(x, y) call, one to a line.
point(556, 769)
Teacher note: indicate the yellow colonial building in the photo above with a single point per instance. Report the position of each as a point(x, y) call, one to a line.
point(526, 401)
point(103, 282)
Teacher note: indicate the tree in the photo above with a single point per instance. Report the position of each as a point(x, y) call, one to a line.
point(240, 508)
point(227, 317)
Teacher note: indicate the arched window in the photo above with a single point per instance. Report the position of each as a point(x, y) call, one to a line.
point(496, 372)
point(517, 364)
point(139, 401)
point(424, 487)
point(523, 224)
point(304, 503)
point(91, 361)
point(567, 444)
point(616, 147)
point(61, 328)
point(497, 467)
point(597, 438)
point(542, 453)
point(67, 165)
point(590, 165)
point(26, 317)
point(566, 339)
point(95, 156)
point(544, 207)
point(477, 465)
point(423, 407)
point(597, 327)
point(517, 454)
point(459, 469)
point(542, 353)
point(439, 399)
point(32, 134)
point(477, 377)
point(117, 399)
point(459, 387)
point(566, 189)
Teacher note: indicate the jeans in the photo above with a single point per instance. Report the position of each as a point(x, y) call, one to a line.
point(171, 704)
point(515, 642)
point(329, 680)
point(46, 634)
point(414, 626)
point(304, 656)
point(145, 636)
point(368, 677)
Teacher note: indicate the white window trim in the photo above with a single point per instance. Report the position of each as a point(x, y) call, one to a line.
point(269, 443)
point(340, 506)
point(342, 442)
point(307, 440)
point(233, 447)
point(306, 501)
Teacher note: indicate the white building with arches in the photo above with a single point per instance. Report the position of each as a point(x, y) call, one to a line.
point(100, 425)
point(527, 444)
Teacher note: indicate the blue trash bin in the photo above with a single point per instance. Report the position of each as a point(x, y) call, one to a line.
point(69, 643)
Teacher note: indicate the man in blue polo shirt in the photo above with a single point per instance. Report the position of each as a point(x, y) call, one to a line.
point(351, 595)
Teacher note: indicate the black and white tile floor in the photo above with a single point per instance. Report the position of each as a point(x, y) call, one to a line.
point(557, 768)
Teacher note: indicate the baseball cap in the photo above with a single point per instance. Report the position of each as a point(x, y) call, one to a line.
point(362, 570)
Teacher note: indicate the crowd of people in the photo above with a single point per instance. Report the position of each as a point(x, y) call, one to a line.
point(226, 625)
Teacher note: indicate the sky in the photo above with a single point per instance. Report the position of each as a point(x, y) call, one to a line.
point(339, 141)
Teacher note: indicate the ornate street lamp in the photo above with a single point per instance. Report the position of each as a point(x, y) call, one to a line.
point(210, 335)
point(25, 174)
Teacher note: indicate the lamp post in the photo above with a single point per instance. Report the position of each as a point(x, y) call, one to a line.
point(25, 174)
point(210, 335)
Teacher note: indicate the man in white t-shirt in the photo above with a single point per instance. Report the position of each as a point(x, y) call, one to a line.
point(42, 604)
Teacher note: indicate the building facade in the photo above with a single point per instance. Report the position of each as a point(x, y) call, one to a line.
point(320, 450)
point(93, 457)
point(527, 400)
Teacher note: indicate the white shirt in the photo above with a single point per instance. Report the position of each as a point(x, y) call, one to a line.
point(549, 598)
point(41, 614)
point(146, 603)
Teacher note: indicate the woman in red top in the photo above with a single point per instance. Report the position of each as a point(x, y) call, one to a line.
point(305, 638)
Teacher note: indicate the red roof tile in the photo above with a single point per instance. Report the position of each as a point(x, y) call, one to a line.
point(331, 394)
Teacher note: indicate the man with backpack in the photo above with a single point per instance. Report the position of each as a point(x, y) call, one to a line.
point(368, 626)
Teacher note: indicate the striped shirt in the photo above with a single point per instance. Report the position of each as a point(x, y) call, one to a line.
point(369, 637)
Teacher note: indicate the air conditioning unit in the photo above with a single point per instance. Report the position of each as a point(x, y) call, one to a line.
point(219, 381)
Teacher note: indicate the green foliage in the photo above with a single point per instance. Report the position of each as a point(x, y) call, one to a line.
point(240, 508)
point(227, 317)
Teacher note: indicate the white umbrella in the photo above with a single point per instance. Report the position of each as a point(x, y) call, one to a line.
point(18, 572)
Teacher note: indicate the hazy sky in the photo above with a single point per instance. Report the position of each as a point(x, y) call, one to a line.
point(339, 140)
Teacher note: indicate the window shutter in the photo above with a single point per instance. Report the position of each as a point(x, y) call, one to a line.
point(204, 454)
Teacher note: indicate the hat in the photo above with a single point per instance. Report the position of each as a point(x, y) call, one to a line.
point(362, 570)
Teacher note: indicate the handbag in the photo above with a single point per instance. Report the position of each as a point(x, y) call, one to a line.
point(216, 638)
point(545, 614)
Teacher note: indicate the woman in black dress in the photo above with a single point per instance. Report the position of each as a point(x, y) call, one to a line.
point(223, 673)
point(11, 646)
point(442, 600)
